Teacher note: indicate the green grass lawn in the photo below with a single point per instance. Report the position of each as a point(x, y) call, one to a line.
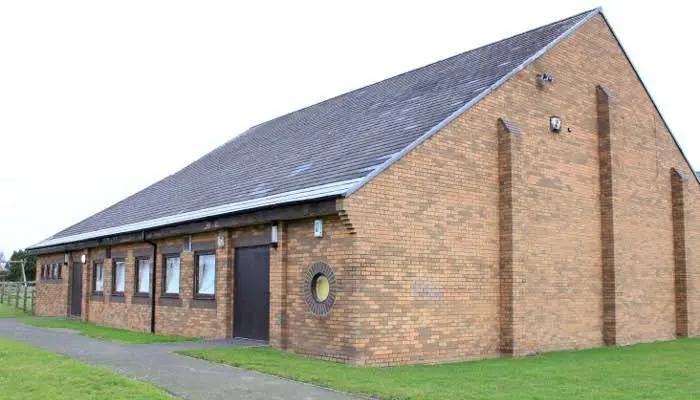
point(103, 332)
point(665, 370)
point(30, 373)
point(9, 312)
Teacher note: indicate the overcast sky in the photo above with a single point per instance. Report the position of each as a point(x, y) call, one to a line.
point(100, 99)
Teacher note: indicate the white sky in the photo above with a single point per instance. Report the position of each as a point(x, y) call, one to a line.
point(100, 99)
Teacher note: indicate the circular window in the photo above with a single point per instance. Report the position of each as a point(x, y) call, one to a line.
point(319, 288)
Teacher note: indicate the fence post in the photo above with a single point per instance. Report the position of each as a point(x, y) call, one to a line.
point(24, 306)
point(2, 292)
point(34, 300)
point(17, 297)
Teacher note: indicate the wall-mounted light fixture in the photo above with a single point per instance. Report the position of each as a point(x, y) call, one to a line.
point(187, 243)
point(66, 258)
point(318, 228)
point(273, 234)
point(83, 258)
point(546, 78)
point(555, 123)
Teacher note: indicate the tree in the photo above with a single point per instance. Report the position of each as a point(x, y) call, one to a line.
point(3, 271)
point(15, 268)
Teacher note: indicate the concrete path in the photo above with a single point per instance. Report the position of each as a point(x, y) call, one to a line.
point(181, 376)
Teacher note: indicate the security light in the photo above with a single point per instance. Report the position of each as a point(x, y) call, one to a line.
point(546, 78)
point(273, 234)
point(555, 123)
point(318, 228)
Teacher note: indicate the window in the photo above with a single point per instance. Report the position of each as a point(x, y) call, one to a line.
point(98, 278)
point(143, 276)
point(320, 288)
point(205, 275)
point(171, 275)
point(54, 271)
point(119, 277)
point(43, 271)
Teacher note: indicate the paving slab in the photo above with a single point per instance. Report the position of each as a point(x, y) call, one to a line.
point(181, 376)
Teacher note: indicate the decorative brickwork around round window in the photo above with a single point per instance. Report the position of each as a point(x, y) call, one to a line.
point(319, 288)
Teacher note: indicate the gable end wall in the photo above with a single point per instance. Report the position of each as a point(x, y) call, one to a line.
point(428, 227)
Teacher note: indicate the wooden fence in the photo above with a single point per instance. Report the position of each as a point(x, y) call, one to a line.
point(16, 295)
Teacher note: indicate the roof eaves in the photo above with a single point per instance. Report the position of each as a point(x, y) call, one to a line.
point(310, 193)
point(469, 105)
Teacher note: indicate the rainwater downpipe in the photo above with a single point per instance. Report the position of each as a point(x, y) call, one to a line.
point(153, 282)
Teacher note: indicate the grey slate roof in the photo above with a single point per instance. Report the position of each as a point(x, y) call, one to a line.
point(332, 146)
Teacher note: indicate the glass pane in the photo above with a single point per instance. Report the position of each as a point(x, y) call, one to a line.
point(121, 274)
point(172, 275)
point(144, 276)
point(322, 288)
point(99, 278)
point(207, 263)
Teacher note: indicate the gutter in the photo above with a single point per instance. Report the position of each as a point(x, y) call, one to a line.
point(295, 196)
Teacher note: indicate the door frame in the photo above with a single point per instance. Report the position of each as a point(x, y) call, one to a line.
point(234, 286)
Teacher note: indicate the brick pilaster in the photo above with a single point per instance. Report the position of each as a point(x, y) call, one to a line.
point(508, 169)
point(607, 227)
point(679, 256)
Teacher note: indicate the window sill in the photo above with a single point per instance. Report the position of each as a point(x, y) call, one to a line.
point(140, 299)
point(200, 302)
point(140, 294)
point(52, 281)
point(170, 302)
point(117, 298)
point(170, 295)
point(97, 296)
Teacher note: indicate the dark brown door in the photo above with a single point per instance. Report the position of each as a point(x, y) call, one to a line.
point(76, 294)
point(251, 302)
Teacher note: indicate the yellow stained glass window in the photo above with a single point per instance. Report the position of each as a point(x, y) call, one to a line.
point(321, 288)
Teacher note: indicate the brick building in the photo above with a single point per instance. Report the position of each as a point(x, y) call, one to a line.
point(524, 196)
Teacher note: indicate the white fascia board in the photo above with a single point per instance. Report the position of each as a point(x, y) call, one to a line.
point(310, 193)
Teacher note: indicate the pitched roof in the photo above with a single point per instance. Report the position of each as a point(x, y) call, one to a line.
point(328, 149)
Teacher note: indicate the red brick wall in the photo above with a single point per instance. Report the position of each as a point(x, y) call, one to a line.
point(692, 238)
point(106, 311)
point(192, 317)
point(184, 316)
point(329, 337)
point(51, 295)
point(427, 228)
